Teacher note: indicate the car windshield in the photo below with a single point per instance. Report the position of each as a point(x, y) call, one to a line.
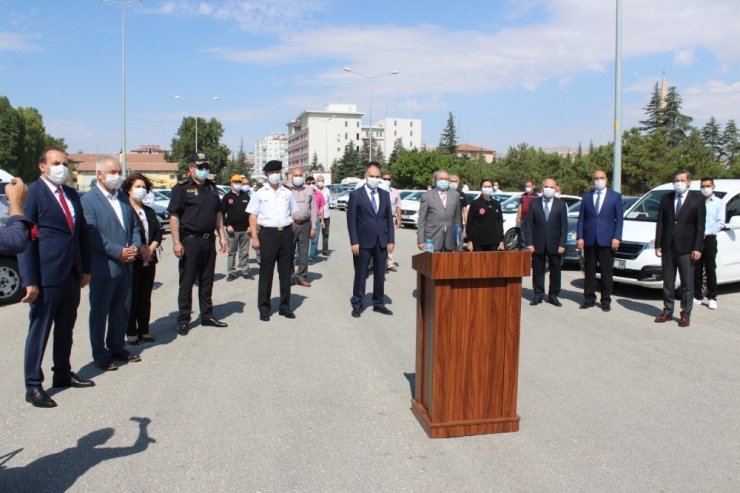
point(574, 209)
point(646, 209)
point(511, 205)
point(414, 196)
point(166, 193)
point(158, 195)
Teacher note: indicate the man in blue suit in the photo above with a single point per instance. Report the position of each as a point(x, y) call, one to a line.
point(598, 235)
point(371, 235)
point(54, 267)
point(115, 242)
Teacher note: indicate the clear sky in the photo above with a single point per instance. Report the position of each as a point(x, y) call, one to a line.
point(535, 71)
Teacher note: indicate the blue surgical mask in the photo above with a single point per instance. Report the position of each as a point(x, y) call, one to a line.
point(202, 174)
point(298, 181)
point(443, 184)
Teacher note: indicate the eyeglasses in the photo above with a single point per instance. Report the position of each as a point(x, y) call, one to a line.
point(201, 165)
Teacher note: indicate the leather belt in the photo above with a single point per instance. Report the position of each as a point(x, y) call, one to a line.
point(279, 228)
point(205, 236)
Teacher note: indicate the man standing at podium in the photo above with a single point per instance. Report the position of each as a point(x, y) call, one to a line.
point(440, 218)
point(372, 236)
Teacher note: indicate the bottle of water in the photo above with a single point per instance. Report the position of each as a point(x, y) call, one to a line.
point(428, 245)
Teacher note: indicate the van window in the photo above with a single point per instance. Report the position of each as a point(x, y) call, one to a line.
point(646, 209)
point(733, 208)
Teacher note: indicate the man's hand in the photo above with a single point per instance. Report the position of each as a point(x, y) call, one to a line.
point(530, 248)
point(615, 244)
point(224, 244)
point(128, 254)
point(16, 192)
point(561, 250)
point(256, 243)
point(356, 249)
point(695, 255)
point(421, 246)
point(501, 246)
point(580, 244)
point(230, 229)
point(85, 280)
point(32, 292)
point(658, 252)
point(312, 233)
point(470, 246)
point(391, 247)
point(146, 253)
point(178, 249)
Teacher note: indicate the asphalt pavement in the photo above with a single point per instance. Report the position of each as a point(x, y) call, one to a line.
point(608, 401)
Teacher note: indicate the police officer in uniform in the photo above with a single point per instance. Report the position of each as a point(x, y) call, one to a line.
point(272, 210)
point(195, 216)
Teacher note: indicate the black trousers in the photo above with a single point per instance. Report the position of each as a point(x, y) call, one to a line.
point(198, 262)
point(707, 263)
point(361, 263)
point(538, 274)
point(484, 248)
point(276, 247)
point(141, 299)
point(604, 257)
point(54, 305)
point(670, 261)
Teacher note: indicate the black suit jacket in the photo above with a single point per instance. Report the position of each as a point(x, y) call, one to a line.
point(155, 230)
point(365, 227)
point(546, 235)
point(684, 232)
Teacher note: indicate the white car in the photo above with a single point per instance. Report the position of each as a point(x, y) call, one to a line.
point(510, 206)
point(341, 201)
point(635, 261)
point(410, 208)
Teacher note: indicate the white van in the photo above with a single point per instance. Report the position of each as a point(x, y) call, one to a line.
point(636, 263)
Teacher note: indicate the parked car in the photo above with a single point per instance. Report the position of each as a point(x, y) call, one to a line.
point(510, 206)
point(635, 261)
point(10, 276)
point(410, 208)
point(341, 200)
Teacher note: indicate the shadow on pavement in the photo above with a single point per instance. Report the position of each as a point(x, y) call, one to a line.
point(636, 306)
point(411, 377)
point(58, 472)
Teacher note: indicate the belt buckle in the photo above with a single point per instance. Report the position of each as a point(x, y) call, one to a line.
point(279, 228)
point(206, 236)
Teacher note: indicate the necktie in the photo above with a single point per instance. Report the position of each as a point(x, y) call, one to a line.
point(678, 204)
point(547, 209)
point(598, 201)
point(375, 202)
point(65, 207)
point(443, 196)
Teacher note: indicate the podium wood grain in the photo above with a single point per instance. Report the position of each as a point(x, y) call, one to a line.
point(467, 341)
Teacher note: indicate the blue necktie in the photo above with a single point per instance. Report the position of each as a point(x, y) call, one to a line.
point(375, 202)
point(547, 209)
point(678, 204)
point(598, 201)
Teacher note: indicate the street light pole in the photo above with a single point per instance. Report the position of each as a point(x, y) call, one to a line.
point(214, 98)
point(370, 78)
point(123, 5)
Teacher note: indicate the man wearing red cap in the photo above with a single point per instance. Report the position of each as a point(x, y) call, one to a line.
point(236, 221)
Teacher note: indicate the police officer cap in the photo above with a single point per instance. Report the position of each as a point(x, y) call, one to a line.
point(273, 165)
point(198, 157)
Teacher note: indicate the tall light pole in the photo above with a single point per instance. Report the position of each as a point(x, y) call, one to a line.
point(371, 78)
point(617, 169)
point(213, 98)
point(123, 5)
point(326, 139)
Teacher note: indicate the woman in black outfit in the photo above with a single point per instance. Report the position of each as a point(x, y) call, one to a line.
point(137, 186)
point(485, 225)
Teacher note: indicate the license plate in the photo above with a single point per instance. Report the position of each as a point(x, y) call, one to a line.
point(619, 263)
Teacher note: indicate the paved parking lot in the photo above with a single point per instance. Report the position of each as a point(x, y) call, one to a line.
point(608, 402)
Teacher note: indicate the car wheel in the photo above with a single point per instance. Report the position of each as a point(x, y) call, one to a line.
point(11, 290)
point(511, 239)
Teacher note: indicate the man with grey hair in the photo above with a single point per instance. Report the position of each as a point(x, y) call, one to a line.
point(115, 244)
point(440, 218)
point(304, 226)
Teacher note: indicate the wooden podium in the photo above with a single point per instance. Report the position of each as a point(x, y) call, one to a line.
point(467, 341)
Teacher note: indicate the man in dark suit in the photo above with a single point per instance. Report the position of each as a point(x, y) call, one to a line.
point(372, 236)
point(679, 238)
point(545, 233)
point(115, 239)
point(598, 234)
point(54, 267)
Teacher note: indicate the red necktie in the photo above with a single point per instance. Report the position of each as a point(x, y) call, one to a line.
point(67, 213)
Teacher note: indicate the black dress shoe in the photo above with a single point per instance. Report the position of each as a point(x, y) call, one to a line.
point(554, 302)
point(72, 381)
point(287, 314)
point(146, 339)
point(39, 398)
point(535, 302)
point(107, 366)
point(586, 306)
point(130, 357)
point(212, 322)
point(383, 310)
point(606, 307)
point(265, 317)
point(183, 329)
point(356, 312)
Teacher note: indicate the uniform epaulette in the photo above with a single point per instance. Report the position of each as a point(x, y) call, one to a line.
point(183, 181)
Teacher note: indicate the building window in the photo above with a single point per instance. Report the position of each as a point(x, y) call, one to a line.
point(346, 123)
point(411, 133)
point(395, 133)
point(358, 124)
point(358, 137)
point(345, 136)
point(395, 123)
point(411, 124)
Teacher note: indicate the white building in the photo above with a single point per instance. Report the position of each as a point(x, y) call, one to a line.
point(270, 147)
point(325, 134)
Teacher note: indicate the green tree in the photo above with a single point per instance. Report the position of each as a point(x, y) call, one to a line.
point(34, 142)
point(712, 137)
point(678, 125)
point(397, 149)
point(210, 133)
point(414, 168)
point(315, 166)
point(730, 142)
point(349, 165)
point(11, 137)
point(448, 139)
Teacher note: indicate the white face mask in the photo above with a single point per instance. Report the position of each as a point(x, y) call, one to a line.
point(138, 194)
point(237, 187)
point(385, 185)
point(599, 184)
point(273, 178)
point(707, 191)
point(495, 188)
point(372, 183)
point(113, 181)
point(453, 185)
point(58, 174)
point(679, 186)
point(486, 191)
point(548, 192)
point(320, 184)
point(298, 181)
point(527, 189)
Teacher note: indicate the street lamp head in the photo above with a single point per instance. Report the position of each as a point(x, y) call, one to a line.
point(177, 97)
point(347, 69)
point(394, 72)
point(215, 98)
